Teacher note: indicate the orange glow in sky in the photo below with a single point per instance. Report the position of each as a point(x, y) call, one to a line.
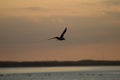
point(26, 26)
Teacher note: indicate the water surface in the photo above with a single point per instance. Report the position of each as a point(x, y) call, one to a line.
point(61, 73)
point(57, 69)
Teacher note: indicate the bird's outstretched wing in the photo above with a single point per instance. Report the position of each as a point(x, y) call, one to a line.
point(52, 38)
point(63, 33)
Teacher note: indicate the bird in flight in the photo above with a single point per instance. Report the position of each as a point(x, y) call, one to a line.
point(61, 36)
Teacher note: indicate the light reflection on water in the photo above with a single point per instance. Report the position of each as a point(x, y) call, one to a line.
point(57, 69)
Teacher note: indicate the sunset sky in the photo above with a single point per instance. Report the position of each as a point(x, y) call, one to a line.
point(26, 25)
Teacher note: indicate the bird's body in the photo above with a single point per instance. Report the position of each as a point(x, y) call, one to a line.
point(61, 36)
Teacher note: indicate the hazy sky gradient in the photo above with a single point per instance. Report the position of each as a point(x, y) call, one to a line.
point(26, 26)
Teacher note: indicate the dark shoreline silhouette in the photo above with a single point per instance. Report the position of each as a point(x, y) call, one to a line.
point(59, 63)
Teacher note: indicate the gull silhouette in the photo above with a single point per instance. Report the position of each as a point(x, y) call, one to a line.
point(61, 36)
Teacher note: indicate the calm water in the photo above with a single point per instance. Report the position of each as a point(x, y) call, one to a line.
point(61, 73)
point(56, 69)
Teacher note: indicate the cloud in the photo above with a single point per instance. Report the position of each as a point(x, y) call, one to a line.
point(34, 8)
point(113, 14)
point(111, 2)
